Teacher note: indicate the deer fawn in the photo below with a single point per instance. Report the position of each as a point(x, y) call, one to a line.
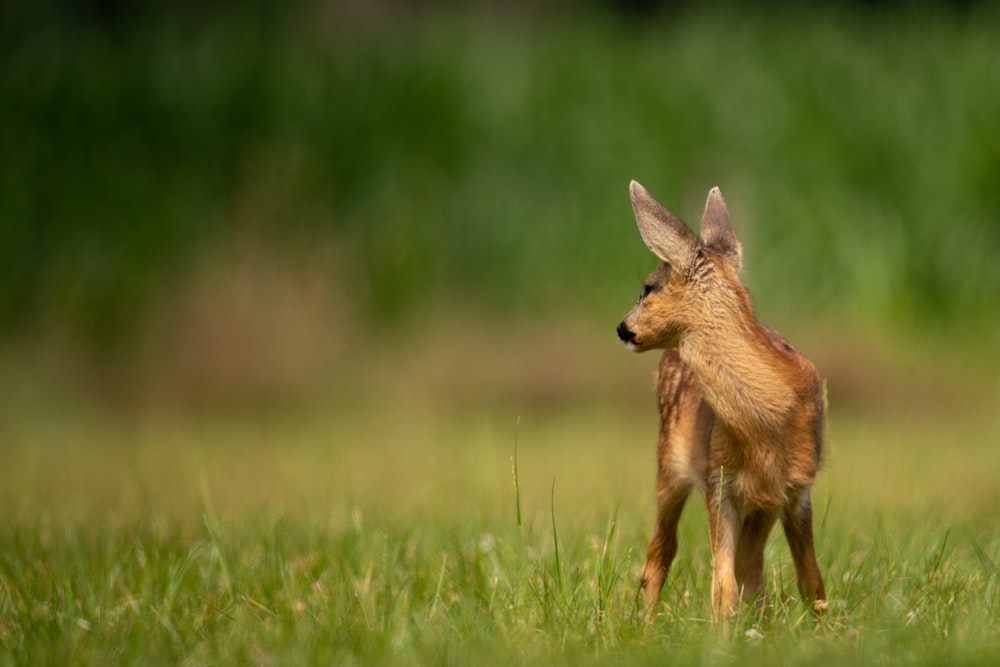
point(741, 411)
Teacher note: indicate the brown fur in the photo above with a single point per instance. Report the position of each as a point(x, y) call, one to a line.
point(741, 411)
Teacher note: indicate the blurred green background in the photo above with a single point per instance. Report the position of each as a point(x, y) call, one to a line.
point(261, 203)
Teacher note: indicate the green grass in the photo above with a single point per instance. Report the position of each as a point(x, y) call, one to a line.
point(410, 539)
point(282, 589)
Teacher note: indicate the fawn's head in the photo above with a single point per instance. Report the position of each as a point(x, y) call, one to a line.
point(696, 280)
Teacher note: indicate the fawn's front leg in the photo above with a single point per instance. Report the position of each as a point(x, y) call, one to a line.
point(750, 552)
point(670, 497)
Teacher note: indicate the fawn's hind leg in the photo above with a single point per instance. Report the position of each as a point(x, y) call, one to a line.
point(670, 497)
point(724, 526)
point(797, 522)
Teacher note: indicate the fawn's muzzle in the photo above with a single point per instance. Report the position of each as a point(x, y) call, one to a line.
point(627, 335)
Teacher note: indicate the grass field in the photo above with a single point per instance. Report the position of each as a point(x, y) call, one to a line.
point(329, 536)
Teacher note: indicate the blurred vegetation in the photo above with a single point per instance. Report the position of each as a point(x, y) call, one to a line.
point(480, 157)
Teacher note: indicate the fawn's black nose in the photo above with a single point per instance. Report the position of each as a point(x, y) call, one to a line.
point(625, 333)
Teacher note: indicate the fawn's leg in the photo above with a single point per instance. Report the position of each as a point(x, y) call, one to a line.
point(797, 522)
point(724, 527)
point(670, 497)
point(750, 552)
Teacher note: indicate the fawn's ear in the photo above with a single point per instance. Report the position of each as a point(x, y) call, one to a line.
point(661, 230)
point(716, 230)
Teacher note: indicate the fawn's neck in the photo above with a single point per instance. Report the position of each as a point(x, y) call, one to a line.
point(744, 379)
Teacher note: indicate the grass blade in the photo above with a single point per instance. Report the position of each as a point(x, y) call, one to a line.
point(555, 537)
point(513, 465)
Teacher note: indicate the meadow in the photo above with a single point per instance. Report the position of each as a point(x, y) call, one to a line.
point(415, 530)
point(307, 349)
